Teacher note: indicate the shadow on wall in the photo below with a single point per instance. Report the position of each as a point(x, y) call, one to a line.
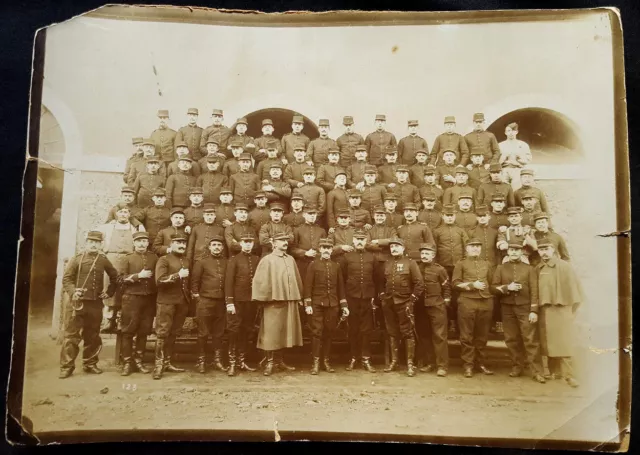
point(281, 122)
point(552, 136)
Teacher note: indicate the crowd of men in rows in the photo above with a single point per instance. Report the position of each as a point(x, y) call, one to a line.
point(438, 238)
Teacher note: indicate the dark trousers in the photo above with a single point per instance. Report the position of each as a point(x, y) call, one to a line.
point(169, 319)
point(474, 322)
point(324, 321)
point(211, 314)
point(241, 324)
point(396, 319)
point(521, 337)
point(431, 324)
point(360, 326)
point(137, 314)
point(452, 308)
point(81, 325)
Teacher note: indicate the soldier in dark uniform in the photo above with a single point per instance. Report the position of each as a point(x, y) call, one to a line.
point(373, 193)
point(485, 141)
point(147, 183)
point(164, 138)
point(342, 234)
point(417, 170)
point(178, 185)
point(306, 238)
point(323, 292)
point(413, 233)
point(486, 234)
point(378, 141)
point(241, 227)
point(216, 131)
point(348, 143)
point(515, 233)
point(295, 217)
point(296, 138)
point(380, 234)
point(201, 235)
point(360, 218)
point(472, 277)
point(139, 167)
point(248, 143)
point(429, 215)
point(260, 213)
point(127, 197)
point(156, 217)
point(409, 145)
point(244, 183)
point(387, 169)
point(450, 140)
point(232, 164)
point(213, 180)
point(394, 219)
point(311, 193)
point(432, 312)
point(337, 198)
point(172, 279)
point(207, 289)
point(193, 213)
point(527, 180)
point(446, 170)
point(191, 134)
point(431, 185)
point(270, 157)
point(478, 173)
point(264, 142)
point(318, 149)
point(328, 172)
point(183, 151)
point(136, 156)
point(403, 284)
point(294, 171)
point(276, 189)
point(406, 192)
point(529, 204)
point(273, 228)
point(213, 151)
point(138, 303)
point(498, 213)
point(461, 187)
point(496, 185)
point(162, 243)
point(83, 281)
point(465, 216)
point(357, 168)
point(358, 270)
point(543, 232)
point(225, 210)
point(516, 285)
point(241, 311)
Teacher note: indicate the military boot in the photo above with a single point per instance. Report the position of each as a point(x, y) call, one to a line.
point(411, 351)
point(168, 352)
point(279, 362)
point(352, 364)
point(159, 360)
point(326, 354)
point(242, 365)
point(366, 363)
point(138, 355)
point(232, 357)
point(268, 369)
point(127, 361)
point(217, 360)
point(201, 366)
point(393, 344)
point(315, 354)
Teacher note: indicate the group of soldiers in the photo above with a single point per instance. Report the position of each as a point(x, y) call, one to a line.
point(228, 228)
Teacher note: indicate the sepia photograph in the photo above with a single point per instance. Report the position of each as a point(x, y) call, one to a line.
point(363, 226)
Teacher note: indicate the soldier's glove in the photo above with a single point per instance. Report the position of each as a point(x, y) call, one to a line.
point(103, 295)
point(533, 317)
point(308, 309)
point(413, 298)
point(382, 296)
point(447, 302)
point(345, 312)
point(231, 308)
point(187, 230)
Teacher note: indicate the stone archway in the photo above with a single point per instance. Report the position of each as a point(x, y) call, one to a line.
point(553, 137)
point(281, 121)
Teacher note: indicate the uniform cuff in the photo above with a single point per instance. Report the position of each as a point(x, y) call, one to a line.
point(229, 300)
point(343, 303)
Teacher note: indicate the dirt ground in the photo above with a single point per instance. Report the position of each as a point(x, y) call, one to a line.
point(484, 406)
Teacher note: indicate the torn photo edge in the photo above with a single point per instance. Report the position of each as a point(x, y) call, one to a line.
point(18, 431)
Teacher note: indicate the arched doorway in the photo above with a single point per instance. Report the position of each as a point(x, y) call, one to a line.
point(281, 122)
point(51, 149)
point(552, 136)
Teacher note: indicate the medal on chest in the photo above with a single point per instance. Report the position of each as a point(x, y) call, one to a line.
point(399, 267)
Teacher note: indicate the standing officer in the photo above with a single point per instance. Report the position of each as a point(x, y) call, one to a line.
point(318, 149)
point(449, 140)
point(306, 240)
point(172, 279)
point(311, 192)
point(191, 134)
point(201, 235)
point(156, 217)
point(246, 141)
point(207, 289)
point(179, 184)
point(213, 180)
point(241, 311)
point(240, 227)
point(372, 193)
point(472, 276)
point(409, 145)
point(516, 285)
point(413, 233)
point(138, 303)
point(83, 281)
point(381, 234)
point(216, 131)
point(164, 139)
point(296, 138)
point(378, 141)
point(273, 228)
point(348, 143)
point(358, 270)
point(162, 243)
point(264, 142)
point(136, 157)
point(244, 183)
point(403, 284)
point(148, 182)
point(496, 185)
point(485, 141)
point(294, 171)
point(323, 292)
